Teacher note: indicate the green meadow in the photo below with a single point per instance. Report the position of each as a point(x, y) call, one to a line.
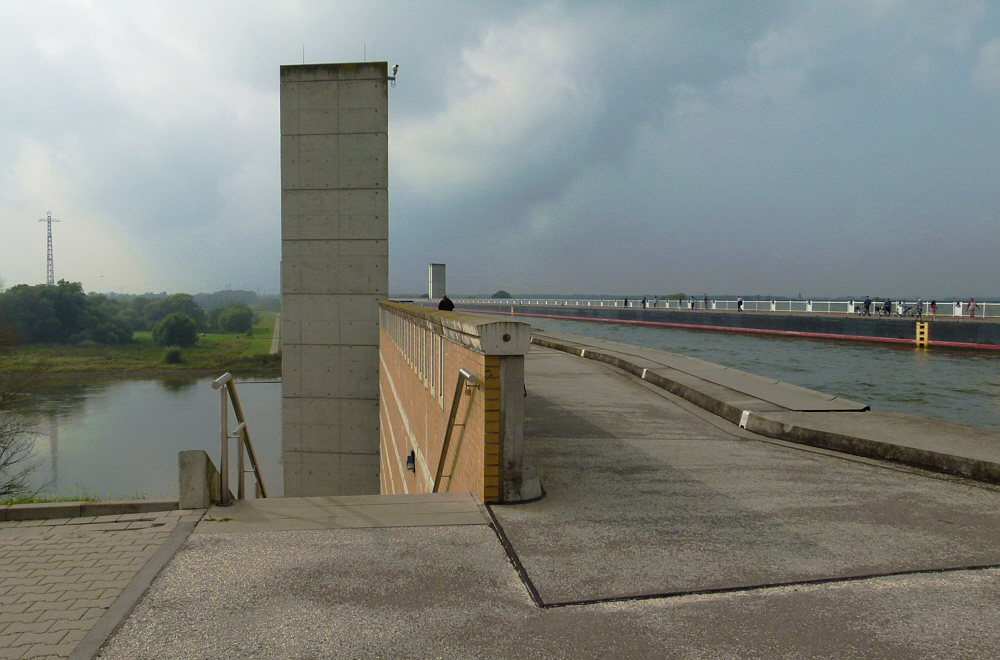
point(239, 354)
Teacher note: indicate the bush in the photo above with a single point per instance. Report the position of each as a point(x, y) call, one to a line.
point(176, 329)
point(236, 318)
point(115, 330)
point(172, 355)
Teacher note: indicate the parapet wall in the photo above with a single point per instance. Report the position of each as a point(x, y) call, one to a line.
point(421, 353)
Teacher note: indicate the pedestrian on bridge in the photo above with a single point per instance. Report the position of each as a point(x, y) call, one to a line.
point(739, 303)
point(972, 308)
point(868, 306)
point(446, 304)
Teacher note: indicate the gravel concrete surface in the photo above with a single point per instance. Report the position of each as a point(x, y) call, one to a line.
point(449, 592)
point(662, 534)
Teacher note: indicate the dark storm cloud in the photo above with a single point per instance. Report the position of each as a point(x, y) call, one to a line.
point(773, 147)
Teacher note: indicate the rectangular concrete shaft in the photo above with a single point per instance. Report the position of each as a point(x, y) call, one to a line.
point(334, 270)
point(436, 281)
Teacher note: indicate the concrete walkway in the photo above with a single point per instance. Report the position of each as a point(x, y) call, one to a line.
point(59, 577)
point(665, 532)
point(779, 410)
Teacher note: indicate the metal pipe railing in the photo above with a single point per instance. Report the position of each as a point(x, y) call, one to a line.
point(465, 382)
point(227, 387)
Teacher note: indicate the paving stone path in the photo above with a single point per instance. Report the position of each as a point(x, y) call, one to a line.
point(59, 576)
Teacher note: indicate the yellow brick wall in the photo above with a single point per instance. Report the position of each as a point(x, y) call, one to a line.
point(413, 416)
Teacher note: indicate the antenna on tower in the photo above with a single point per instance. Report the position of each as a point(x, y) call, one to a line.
point(50, 278)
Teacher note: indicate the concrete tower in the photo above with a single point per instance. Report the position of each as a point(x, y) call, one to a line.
point(334, 270)
point(435, 281)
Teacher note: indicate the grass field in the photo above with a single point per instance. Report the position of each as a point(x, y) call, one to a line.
point(225, 352)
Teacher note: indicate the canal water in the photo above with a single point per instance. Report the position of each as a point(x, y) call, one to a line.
point(120, 438)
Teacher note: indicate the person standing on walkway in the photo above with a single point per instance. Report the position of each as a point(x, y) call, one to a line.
point(972, 308)
point(446, 304)
point(868, 306)
point(706, 301)
point(934, 310)
point(739, 303)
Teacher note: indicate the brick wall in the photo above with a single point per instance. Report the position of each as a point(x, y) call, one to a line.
point(420, 354)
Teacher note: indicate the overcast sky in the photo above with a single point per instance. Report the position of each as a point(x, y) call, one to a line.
point(828, 148)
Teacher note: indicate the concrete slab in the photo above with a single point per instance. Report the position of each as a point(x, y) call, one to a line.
point(643, 499)
point(450, 593)
point(349, 512)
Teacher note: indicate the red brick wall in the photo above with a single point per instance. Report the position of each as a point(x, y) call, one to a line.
point(417, 375)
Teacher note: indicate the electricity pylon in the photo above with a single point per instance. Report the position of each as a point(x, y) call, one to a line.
point(50, 277)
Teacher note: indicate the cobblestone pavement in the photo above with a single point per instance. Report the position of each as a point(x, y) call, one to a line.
point(59, 576)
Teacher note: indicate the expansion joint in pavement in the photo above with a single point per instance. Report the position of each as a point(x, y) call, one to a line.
point(515, 561)
point(843, 579)
point(536, 597)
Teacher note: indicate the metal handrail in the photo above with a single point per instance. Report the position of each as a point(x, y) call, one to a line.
point(225, 384)
point(468, 382)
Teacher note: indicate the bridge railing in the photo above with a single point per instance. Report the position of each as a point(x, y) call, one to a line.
point(949, 309)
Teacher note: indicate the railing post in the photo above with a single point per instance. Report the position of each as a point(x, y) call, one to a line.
point(241, 479)
point(224, 439)
point(227, 387)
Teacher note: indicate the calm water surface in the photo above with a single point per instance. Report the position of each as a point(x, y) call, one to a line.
point(958, 386)
point(120, 438)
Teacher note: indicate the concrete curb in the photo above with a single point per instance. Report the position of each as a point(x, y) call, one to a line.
point(759, 423)
point(99, 634)
point(11, 512)
point(715, 406)
point(962, 466)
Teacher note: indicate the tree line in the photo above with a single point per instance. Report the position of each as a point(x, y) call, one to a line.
point(64, 314)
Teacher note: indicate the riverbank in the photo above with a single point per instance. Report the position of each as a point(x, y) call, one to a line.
point(213, 354)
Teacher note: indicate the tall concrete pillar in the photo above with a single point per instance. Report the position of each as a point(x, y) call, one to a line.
point(435, 281)
point(334, 270)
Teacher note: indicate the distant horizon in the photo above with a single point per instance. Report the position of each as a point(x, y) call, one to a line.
point(582, 296)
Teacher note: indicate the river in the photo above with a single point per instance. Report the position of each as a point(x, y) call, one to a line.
point(120, 438)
